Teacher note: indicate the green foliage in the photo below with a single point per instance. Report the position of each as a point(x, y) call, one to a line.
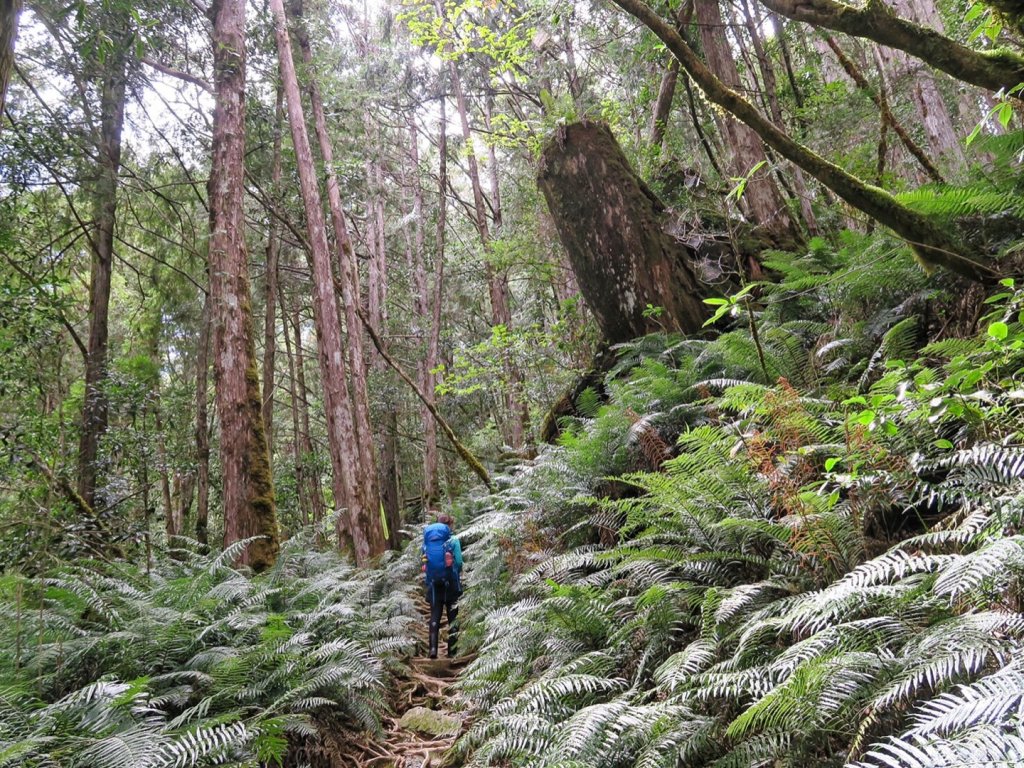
point(195, 663)
point(824, 575)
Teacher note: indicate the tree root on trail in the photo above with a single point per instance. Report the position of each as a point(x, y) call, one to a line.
point(424, 685)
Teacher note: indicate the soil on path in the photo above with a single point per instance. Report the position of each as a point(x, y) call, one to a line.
point(422, 729)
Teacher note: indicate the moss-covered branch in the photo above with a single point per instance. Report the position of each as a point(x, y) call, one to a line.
point(930, 242)
point(874, 20)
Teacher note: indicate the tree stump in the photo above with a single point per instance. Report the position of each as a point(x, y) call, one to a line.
point(636, 277)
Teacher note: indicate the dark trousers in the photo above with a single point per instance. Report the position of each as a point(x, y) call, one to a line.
point(443, 597)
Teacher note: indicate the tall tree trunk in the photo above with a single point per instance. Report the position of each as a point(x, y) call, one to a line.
point(174, 522)
point(10, 10)
point(303, 437)
point(431, 493)
point(422, 310)
point(248, 493)
point(761, 199)
point(302, 498)
point(362, 527)
point(663, 105)
point(754, 25)
point(515, 398)
point(183, 490)
point(348, 273)
point(377, 290)
point(270, 284)
point(101, 244)
point(930, 243)
point(202, 429)
point(173, 525)
point(497, 281)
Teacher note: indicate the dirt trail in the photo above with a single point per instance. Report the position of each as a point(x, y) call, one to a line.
point(422, 728)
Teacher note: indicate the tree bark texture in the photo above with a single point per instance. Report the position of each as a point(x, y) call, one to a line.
point(306, 474)
point(348, 272)
point(874, 20)
point(248, 493)
point(360, 525)
point(270, 284)
point(930, 242)
point(612, 228)
point(202, 433)
point(10, 10)
point(101, 244)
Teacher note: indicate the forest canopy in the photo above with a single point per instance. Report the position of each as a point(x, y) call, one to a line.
point(701, 317)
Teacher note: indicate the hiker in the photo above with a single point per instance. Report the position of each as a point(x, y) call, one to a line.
point(442, 576)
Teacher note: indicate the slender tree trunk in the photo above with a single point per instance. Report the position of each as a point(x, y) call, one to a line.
point(202, 433)
point(10, 10)
point(270, 285)
point(248, 491)
point(174, 522)
point(348, 274)
point(571, 71)
point(387, 474)
point(431, 493)
point(390, 481)
point(764, 62)
point(101, 243)
point(363, 527)
point(497, 282)
point(423, 329)
point(515, 399)
point(663, 106)
point(315, 491)
point(705, 142)
point(761, 199)
point(184, 490)
point(173, 525)
point(301, 495)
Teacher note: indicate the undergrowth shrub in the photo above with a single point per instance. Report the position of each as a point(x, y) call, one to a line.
point(196, 663)
point(826, 571)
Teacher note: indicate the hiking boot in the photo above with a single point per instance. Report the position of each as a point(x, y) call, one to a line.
point(434, 632)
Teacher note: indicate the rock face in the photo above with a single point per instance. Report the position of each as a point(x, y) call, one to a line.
point(431, 722)
point(613, 229)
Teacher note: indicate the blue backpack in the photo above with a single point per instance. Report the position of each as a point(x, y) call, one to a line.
point(438, 558)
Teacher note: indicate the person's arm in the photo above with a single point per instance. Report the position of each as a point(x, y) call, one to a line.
point(457, 552)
